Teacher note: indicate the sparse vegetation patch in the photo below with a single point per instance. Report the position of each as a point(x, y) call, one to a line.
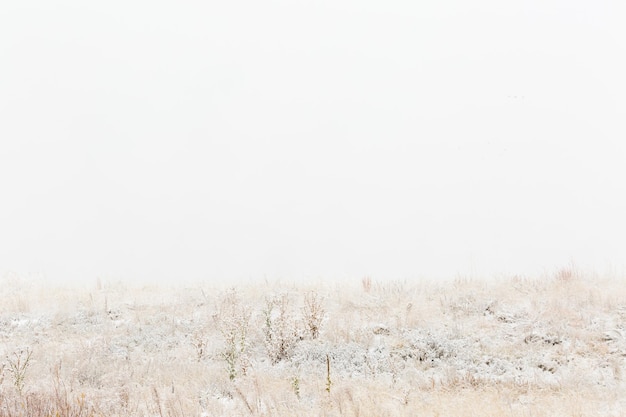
point(514, 347)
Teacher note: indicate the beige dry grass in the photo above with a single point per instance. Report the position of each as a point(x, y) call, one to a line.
point(508, 347)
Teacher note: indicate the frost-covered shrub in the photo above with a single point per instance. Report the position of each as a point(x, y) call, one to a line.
point(312, 314)
point(233, 320)
point(279, 329)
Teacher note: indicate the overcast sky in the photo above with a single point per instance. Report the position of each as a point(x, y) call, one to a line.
point(334, 139)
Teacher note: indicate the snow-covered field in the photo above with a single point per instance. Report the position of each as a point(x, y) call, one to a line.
point(554, 345)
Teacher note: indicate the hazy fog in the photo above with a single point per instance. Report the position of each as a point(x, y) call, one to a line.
point(329, 138)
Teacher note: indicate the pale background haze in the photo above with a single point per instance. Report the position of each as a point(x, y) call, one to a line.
point(233, 139)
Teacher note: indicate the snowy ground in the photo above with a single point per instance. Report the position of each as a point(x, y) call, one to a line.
point(515, 346)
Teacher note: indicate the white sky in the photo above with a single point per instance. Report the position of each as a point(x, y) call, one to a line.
point(326, 138)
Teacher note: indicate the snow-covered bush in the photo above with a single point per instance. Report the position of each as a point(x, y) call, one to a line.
point(233, 320)
point(279, 328)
